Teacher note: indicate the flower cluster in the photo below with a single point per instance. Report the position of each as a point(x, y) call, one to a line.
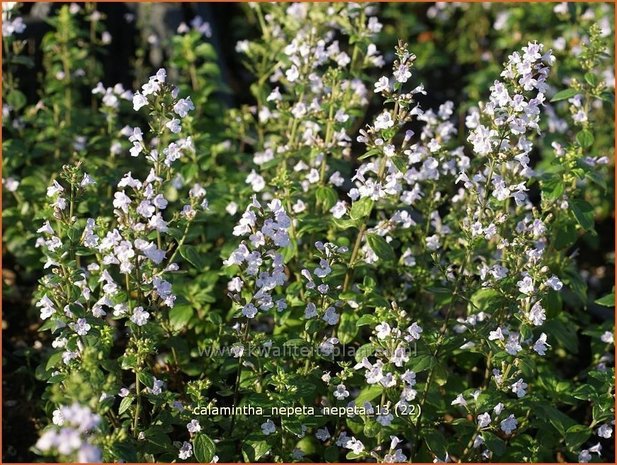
point(71, 434)
point(260, 257)
point(408, 278)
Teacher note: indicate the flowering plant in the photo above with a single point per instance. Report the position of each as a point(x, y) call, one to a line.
point(334, 272)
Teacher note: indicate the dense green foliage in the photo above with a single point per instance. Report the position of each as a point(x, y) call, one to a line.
point(410, 221)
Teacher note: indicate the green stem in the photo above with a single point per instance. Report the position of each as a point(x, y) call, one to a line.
point(138, 406)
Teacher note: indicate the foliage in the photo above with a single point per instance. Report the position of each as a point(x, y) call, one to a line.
point(334, 271)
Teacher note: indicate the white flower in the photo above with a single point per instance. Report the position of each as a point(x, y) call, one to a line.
point(157, 387)
point(256, 181)
point(268, 427)
point(414, 332)
point(140, 316)
point(322, 434)
point(249, 310)
point(537, 314)
point(339, 209)
point(183, 106)
point(87, 180)
point(607, 337)
point(292, 74)
point(58, 418)
point(584, 456)
point(341, 392)
point(237, 350)
point(513, 346)
point(121, 201)
point(186, 451)
point(484, 420)
point(541, 345)
point(554, 283)
point(355, 445)
point(384, 121)
point(460, 400)
point(235, 284)
point(519, 388)
point(274, 96)
point(330, 316)
point(432, 242)
point(231, 208)
point(174, 125)
point(336, 179)
point(402, 74)
point(383, 330)
point(310, 311)
point(385, 420)
point(160, 202)
point(526, 285)
point(509, 424)
point(193, 427)
point(496, 335)
point(605, 431)
point(11, 184)
point(54, 189)
point(382, 84)
point(81, 327)
point(145, 209)
point(139, 101)
point(596, 449)
point(46, 228)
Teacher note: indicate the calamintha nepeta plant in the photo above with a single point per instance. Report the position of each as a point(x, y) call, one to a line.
point(409, 270)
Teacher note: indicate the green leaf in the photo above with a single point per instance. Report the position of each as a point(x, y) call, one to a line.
point(365, 320)
point(191, 255)
point(361, 209)
point(341, 223)
point(565, 235)
point(576, 435)
point(363, 351)
point(16, 99)
point(400, 163)
point(421, 362)
point(558, 419)
point(326, 196)
point(347, 328)
point(552, 189)
point(203, 448)
point(146, 379)
point(565, 334)
point(368, 393)
point(607, 300)
point(436, 442)
point(253, 450)
point(180, 315)
point(381, 248)
point(125, 404)
point(563, 95)
point(585, 138)
point(553, 303)
point(583, 212)
point(369, 153)
point(53, 360)
point(495, 444)
point(485, 299)
point(591, 79)
point(331, 454)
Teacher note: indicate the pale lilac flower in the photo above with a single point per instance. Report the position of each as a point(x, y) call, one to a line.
point(509, 424)
point(268, 427)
